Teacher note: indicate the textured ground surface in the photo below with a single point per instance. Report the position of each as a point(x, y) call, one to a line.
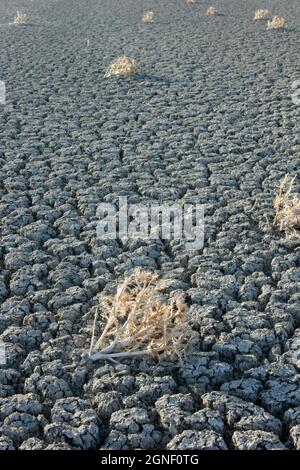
point(209, 120)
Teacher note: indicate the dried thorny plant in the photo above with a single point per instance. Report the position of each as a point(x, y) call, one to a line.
point(287, 208)
point(262, 14)
point(122, 67)
point(20, 18)
point(213, 11)
point(276, 23)
point(139, 322)
point(148, 17)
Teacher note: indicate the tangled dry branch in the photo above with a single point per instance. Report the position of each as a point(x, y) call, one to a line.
point(20, 18)
point(212, 11)
point(123, 66)
point(262, 15)
point(139, 322)
point(277, 22)
point(287, 208)
point(148, 17)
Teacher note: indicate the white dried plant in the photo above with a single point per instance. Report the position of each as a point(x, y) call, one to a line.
point(123, 67)
point(262, 14)
point(212, 11)
point(278, 22)
point(287, 208)
point(148, 17)
point(20, 18)
point(139, 322)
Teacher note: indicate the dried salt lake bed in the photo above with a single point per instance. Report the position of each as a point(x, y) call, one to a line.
point(209, 119)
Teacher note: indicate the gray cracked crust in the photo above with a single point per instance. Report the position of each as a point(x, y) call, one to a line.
point(209, 120)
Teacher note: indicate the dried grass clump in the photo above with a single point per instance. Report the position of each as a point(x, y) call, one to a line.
point(262, 15)
point(276, 23)
point(139, 322)
point(20, 18)
point(213, 11)
point(287, 208)
point(122, 67)
point(190, 1)
point(148, 17)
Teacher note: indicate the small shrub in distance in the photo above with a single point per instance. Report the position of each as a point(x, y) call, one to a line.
point(148, 17)
point(122, 67)
point(213, 11)
point(277, 22)
point(20, 18)
point(262, 15)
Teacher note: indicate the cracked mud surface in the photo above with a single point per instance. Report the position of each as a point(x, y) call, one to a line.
point(209, 120)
